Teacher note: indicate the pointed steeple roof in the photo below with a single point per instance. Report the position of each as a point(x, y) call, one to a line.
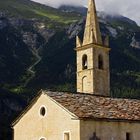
point(92, 32)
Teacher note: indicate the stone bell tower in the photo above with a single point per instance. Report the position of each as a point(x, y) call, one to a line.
point(93, 75)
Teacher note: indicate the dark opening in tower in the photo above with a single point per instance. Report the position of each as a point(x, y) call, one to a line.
point(84, 62)
point(100, 62)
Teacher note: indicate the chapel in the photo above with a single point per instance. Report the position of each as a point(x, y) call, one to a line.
point(90, 113)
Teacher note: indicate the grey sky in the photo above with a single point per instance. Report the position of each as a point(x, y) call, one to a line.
point(128, 8)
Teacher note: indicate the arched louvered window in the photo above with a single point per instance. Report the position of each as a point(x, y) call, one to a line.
point(42, 139)
point(84, 62)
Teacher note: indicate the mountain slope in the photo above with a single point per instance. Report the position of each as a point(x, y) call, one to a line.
point(58, 61)
point(29, 9)
point(37, 51)
point(73, 9)
point(25, 27)
point(46, 37)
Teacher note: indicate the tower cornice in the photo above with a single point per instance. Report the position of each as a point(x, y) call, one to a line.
point(92, 45)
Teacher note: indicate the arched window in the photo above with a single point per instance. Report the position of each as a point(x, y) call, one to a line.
point(84, 62)
point(84, 84)
point(100, 62)
point(42, 139)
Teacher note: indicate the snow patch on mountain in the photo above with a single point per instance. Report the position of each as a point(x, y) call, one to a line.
point(112, 31)
point(135, 43)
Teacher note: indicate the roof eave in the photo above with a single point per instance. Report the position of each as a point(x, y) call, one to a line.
point(33, 101)
point(109, 119)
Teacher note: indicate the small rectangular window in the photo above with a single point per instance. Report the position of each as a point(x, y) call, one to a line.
point(128, 136)
point(66, 136)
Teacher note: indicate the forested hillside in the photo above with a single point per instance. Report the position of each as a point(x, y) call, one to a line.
point(37, 52)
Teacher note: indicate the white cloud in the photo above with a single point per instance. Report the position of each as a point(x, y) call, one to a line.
point(128, 8)
point(57, 3)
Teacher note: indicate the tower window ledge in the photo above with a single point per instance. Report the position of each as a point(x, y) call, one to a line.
point(101, 70)
point(84, 70)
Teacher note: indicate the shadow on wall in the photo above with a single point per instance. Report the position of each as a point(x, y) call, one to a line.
point(94, 137)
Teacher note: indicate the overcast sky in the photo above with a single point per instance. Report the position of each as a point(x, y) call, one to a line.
point(128, 8)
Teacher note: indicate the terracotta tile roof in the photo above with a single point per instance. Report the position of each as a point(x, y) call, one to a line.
point(96, 107)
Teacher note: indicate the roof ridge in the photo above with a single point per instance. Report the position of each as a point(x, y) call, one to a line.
point(92, 95)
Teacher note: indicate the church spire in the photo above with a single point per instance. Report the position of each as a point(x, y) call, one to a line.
point(92, 32)
point(93, 74)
